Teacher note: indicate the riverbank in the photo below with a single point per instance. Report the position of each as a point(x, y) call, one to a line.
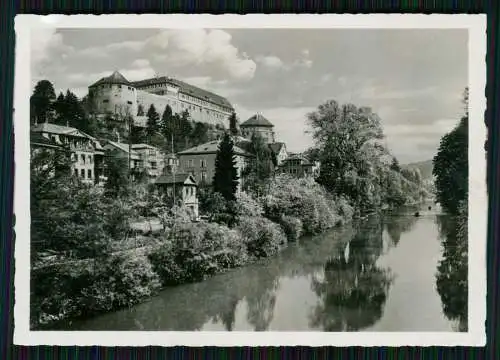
point(185, 252)
point(312, 278)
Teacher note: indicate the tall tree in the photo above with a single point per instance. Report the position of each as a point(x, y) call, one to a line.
point(185, 128)
point(152, 123)
point(199, 135)
point(166, 123)
point(261, 167)
point(451, 169)
point(348, 138)
point(233, 124)
point(226, 179)
point(140, 110)
point(117, 174)
point(41, 101)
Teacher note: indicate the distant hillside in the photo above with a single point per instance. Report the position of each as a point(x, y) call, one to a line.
point(425, 168)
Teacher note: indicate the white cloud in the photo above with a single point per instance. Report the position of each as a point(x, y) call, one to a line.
point(141, 63)
point(200, 46)
point(271, 61)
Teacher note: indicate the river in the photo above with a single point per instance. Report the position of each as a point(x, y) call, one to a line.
point(377, 276)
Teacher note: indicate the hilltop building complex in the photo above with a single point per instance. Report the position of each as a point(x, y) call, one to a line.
point(116, 96)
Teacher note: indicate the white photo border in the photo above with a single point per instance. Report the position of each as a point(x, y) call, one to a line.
point(478, 209)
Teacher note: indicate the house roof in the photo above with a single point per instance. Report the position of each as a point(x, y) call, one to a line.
point(178, 178)
point(64, 130)
point(211, 147)
point(114, 78)
point(257, 120)
point(122, 146)
point(276, 147)
point(142, 146)
point(39, 140)
point(302, 158)
point(187, 89)
point(58, 129)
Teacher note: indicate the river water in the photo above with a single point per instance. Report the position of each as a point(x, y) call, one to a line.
point(379, 275)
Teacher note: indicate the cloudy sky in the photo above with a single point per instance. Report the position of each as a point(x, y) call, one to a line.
point(412, 78)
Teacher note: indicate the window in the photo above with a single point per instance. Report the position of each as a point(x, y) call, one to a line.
point(89, 174)
point(190, 163)
point(76, 172)
point(203, 163)
point(152, 152)
point(203, 176)
point(90, 159)
point(82, 173)
point(153, 165)
point(82, 159)
point(105, 101)
point(119, 86)
point(129, 102)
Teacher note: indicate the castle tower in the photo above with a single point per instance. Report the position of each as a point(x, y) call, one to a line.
point(258, 124)
point(114, 95)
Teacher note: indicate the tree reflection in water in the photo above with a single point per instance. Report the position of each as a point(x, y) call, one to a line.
point(452, 273)
point(397, 225)
point(354, 289)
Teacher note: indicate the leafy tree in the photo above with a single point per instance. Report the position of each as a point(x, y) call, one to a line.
point(117, 174)
point(166, 122)
point(395, 165)
point(137, 135)
point(261, 167)
point(350, 152)
point(41, 101)
point(199, 135)
point(153, 121)
point(226, 176)
point(451, 168)
point(140, 110)
point(70, 112)
point(233, 124)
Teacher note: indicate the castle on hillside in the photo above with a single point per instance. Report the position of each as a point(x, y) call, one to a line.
point(116, 96)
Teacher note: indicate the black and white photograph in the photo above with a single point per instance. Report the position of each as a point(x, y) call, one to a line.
point(250, 180)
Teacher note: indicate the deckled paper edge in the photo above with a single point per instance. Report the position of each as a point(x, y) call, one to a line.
point(476, 336)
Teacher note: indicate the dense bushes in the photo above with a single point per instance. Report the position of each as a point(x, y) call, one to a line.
point(292, 227)
point(261, 236)
point(303, 199)
point(193, 251)
point(90, 286)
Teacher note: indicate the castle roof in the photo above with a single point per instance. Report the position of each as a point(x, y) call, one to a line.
point(257, 120)
point(114, 78)
point(211, 147)
point(187, 89)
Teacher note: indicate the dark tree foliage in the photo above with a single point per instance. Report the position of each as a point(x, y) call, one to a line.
point(261, 166)
point(41, 101)
point(233, 124)
point(451, 168)
point(70, 112)
point(395, 165)
point(166, 122)
point(117, 174)
point(140, 110)
point(226, 176)
point(153, 121)
point(199, 135)
point(137, 135)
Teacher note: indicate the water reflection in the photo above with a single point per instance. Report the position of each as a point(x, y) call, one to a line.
point(342, 280)
point(354, 289)
point(452, 273)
